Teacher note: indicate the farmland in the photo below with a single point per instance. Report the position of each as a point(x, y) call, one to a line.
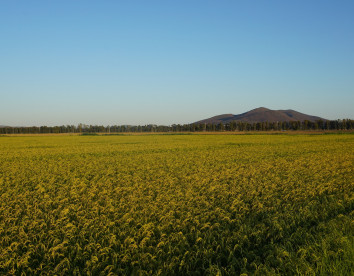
point(177, 204)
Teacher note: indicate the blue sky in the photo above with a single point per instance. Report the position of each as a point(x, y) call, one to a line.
point(165, 62)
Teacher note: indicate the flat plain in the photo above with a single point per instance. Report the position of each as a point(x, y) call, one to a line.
point(177, 204)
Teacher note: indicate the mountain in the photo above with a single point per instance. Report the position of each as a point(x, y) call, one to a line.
point(261, 114)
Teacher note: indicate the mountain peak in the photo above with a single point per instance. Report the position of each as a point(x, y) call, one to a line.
point(262, 114)
point(259, 109)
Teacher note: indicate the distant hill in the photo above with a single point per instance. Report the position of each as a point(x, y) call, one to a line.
point(261, 114)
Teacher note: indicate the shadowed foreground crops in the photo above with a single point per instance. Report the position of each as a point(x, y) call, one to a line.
point(179, 204)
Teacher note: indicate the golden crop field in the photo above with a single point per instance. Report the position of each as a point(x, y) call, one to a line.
point(177, 205)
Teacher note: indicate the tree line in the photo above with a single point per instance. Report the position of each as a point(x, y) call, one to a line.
point(345, 124)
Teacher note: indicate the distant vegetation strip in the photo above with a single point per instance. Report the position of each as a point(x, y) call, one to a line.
point(345, 124)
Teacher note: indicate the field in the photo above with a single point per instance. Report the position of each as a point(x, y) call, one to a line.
point(177, 204)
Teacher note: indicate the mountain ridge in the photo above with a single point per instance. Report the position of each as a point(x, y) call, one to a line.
point(261, 114)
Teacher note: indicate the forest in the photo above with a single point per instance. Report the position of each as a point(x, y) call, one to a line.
point(344, 124)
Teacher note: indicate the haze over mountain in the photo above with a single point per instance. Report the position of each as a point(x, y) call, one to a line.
point(261, 114)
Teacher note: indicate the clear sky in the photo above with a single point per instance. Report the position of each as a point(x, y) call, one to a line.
point(166, 62)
